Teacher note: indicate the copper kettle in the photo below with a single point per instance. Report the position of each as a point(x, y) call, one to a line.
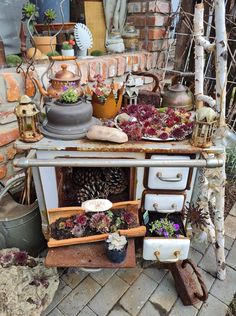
point(59, 82)
point(178, 96)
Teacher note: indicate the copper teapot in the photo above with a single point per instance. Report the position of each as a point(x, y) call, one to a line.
point(178, 96)
point(61, 80)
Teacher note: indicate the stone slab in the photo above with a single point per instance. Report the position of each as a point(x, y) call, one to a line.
point(155, 273)
point(103, 276)
point(200, 247)
point(86, 311)
point(150, 309)
point(63, 291)
point(195, 255)
point(233, 210)
point(231, 259)
point(129, 275)
point(79, 297)
point(56, 312)
point(118, 311)
point(165, 294)
point(230, 226)
point(213, 307)
point(225, 290)
point(73, 277)
point(228, 242)
point(108, 296)
point(137, 295)
point(179, 309)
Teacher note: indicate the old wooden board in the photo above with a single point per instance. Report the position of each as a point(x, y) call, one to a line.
point(88, 256)
point(95, 21)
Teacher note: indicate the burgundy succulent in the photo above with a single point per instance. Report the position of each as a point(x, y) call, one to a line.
point(164, 136)
point(179, 133)
point(100, 222)
point(78, 230)
point(21, 258)
point(128, 218)
point(81, 219)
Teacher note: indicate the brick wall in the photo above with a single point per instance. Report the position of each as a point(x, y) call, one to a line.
point(151, 18)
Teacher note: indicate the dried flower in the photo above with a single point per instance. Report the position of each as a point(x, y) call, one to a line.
point(100, 222)
point(178, 133)
point(40, 280)
point(7, 259)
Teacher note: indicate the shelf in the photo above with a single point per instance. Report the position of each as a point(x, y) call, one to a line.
point(88, 256)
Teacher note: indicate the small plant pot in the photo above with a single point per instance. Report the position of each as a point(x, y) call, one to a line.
point(45, 44)
point(67, 52)
point(116, 256)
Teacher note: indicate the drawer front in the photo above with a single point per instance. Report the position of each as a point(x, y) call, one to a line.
point(166, 249)
point(163, 203)
point(168, 178)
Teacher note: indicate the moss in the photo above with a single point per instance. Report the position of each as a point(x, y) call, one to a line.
point(13, 60)
point(96, 53)
point(53, 53)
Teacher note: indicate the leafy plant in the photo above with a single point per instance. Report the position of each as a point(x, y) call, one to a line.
point(68, 44)
point(69, 96)
point(116, 242)
point(49, 17)
point(230, 166)
point(28, 10)
point(164, 228)
point(96, 53)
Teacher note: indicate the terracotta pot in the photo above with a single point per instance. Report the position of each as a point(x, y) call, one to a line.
point(45, 44)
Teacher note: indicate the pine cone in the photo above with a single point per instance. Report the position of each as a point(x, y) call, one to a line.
point(97, 190)
point(84, 176)
point(116, 179)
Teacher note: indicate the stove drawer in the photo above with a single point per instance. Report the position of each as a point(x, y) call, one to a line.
point(165, 249)
point(162, 203)
point(167, 178)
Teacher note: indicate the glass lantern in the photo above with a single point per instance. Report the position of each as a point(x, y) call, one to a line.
point(27, 117)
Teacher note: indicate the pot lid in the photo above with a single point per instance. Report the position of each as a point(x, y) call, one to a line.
point(178, 88)
point(65, 75)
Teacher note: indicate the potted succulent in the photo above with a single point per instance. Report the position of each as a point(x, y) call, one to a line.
point(116, 247)
point(46, 43)
point(67, 47)
point(164, 228)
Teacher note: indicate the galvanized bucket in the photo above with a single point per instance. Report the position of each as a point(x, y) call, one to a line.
point(20, 225)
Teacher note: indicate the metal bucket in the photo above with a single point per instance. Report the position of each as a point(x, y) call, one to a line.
point(20, 226)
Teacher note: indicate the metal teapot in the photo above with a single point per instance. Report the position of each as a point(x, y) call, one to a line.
point(58, 82)
point(178, 96)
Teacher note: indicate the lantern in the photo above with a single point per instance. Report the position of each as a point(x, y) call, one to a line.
point(27, 117)
point(131, 92)
point(204, 128)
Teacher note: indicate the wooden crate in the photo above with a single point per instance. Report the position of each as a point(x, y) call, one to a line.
point(54, 214)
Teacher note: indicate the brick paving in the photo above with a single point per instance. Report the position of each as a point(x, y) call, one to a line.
point(145, 291)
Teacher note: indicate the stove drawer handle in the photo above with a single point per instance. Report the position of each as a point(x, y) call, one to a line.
point(178, 177)
point(172, 210)
point(176, 254)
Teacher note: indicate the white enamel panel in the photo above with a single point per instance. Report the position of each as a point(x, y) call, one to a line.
point(168, 173)
point(166, 249)
point(164, 202)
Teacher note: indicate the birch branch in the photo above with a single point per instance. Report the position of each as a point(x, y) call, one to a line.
point(207, 99)
point(200, 40)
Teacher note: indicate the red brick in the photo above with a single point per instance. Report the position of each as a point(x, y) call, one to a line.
point(3, 171)
point(11, 152)
point(13, 89)
point(156, 33)
point(112, 67)
point(103, 68)
point(128, 63)
point(121, 65)
point(143, 62)
point(2, 158)
point(156, 20)
point(137, 20)
point(154, 59)
point(149, 61)
point(8, 135)
point(136, 62)
point(159, 6)
point(92, 70)
point(157, 45)
point(83, 67)
point(143, 33)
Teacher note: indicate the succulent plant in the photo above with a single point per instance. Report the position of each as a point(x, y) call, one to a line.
point(100, 222)
point(128, 218)
point(81, 219)
point(78, 230)
point(69, 96)
point(164, 228)
point(116, 242)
